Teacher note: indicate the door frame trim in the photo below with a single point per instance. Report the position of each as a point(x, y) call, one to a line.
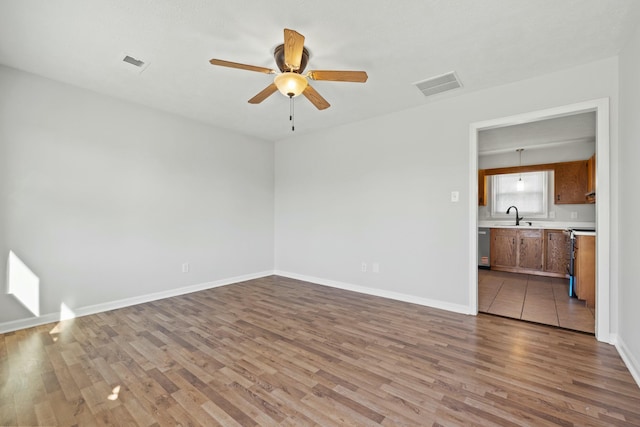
point(603, 206)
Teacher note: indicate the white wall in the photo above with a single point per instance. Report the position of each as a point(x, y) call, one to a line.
point(629, 226)
point(379, 190)
point(104, 200)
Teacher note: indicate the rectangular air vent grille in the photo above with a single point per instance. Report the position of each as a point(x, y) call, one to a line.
point(439, 84)
point(133, 61)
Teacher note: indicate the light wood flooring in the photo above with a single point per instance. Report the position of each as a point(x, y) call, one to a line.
point(276, 351)
point(533, 298)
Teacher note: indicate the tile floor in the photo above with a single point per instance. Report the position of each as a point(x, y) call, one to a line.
point(534, 298)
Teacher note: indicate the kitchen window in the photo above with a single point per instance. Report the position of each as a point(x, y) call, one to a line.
point(531, 200)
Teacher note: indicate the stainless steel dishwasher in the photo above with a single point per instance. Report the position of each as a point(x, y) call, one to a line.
point(484, 247)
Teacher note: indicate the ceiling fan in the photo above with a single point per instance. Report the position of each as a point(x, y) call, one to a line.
point(291, 58)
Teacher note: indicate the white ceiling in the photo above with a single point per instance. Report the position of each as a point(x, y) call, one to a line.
point(487, 42)
point(543, 134)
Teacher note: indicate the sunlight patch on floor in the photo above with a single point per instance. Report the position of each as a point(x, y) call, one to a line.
point(66, 318)
point(114, 393)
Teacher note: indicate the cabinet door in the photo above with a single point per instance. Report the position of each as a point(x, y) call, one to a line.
point(530, 249)
point(482, 188)
point(570, 182)
point(556, 251)
point(503, 247)
point(585, 269)
point(591, 179)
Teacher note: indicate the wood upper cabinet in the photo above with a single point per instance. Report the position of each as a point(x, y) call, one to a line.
point(556, 251)
point(591, 179)
point(482, 188)
point(573, 180)
point(530, 249)
point(516, 250)
point(585, 270)
point(570, 182)
point(503, 247)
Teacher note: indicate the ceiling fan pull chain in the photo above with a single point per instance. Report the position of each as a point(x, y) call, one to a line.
point(291, 113)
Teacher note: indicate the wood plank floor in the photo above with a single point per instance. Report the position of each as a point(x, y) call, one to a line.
point(276, 351)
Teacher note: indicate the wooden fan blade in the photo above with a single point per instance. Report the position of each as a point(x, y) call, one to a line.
point(312, 95)
point(241, 66)
point(264, 94)
point(293, 45)
point(338, 76)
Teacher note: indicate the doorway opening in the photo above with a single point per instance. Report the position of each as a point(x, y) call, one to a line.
point(602, 208)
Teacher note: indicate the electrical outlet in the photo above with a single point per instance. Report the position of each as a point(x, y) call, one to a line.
point(185, 267)
point(552, 214)
point(574, 215)
point(375, 267)
point(363, 267)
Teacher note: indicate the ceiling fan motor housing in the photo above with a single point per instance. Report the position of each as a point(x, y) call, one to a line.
point(278, 55)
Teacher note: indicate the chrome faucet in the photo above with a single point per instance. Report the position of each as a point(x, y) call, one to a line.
point(518, 218)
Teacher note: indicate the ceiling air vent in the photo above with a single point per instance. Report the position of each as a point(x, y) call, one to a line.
point(133, 61)
point(439, 84)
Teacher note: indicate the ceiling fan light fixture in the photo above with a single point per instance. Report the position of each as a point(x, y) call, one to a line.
point(290, 84)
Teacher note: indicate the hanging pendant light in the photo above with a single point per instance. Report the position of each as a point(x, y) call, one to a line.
point(520, 184)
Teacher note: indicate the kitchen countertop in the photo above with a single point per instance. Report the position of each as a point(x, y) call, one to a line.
point(584, 233)
point(553, 225)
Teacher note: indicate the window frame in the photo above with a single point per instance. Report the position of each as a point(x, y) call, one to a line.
point(544, 202)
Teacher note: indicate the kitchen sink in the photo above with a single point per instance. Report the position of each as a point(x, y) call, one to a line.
point(510, 224)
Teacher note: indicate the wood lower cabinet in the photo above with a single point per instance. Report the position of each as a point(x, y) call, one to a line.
point(570, 182)
point(530, 250)
point(503, 248)
point(556, 252)
point(585, 269)
point(516, 250)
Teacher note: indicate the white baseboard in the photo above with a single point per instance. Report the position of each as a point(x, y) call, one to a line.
point(15, 325)
point(629, 359)
point(457, 308)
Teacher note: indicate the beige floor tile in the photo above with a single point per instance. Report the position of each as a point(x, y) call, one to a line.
point(583, 325)
point(539, 280)
point(544, 318)
point(540, 313)
point(533, 298)
point(487, 293)
point(507, 310)
point(513, 288)
point(540, 290)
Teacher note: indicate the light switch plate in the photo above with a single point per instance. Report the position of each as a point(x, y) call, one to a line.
point(455, 196)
